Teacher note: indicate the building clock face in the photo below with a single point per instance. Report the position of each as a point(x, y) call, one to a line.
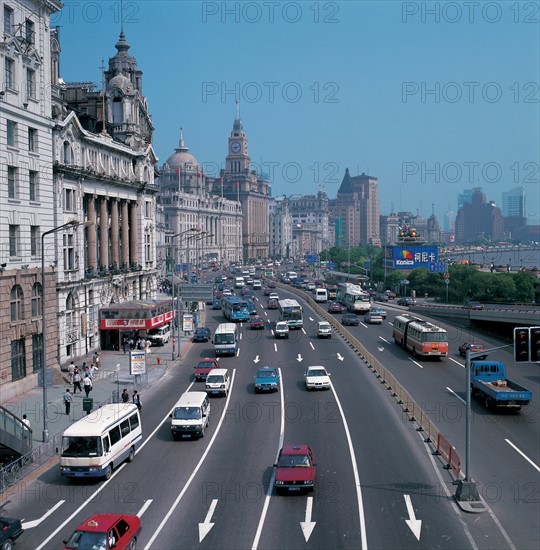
point(235, 147)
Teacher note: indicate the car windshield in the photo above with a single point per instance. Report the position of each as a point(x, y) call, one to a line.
point(316, 372)
point(266, 374)
point(294, 461)
point(87, 540)
point(205, 365)
point(81, 446)
point(187, 413)
point(224, 339)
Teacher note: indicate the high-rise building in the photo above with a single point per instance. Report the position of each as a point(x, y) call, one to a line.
point(310, 215)
point(514, 212)
point(281, 228)
point(479, 220)
point(465, 197)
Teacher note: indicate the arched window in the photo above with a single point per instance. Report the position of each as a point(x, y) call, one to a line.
point(36, 300)
point(16, 303)
point(66, 153)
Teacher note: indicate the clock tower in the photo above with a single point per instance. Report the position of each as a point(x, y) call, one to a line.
point(238, 161)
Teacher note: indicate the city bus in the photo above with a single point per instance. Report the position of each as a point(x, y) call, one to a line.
point(290, 311)
point(235, 309)
point(420, 337)
point(336, 277)
point(101, 441)
point(353, 297)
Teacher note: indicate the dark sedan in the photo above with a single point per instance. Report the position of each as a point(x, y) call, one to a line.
point(202, 334)
point(349, 319)
point(10, 529)
point(474, 347)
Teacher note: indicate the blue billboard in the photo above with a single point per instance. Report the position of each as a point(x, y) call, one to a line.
point(409, 257)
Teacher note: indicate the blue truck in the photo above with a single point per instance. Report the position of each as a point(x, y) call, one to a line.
point(489, 383)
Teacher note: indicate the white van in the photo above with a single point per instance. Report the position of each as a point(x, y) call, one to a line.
point(239, 282)
point(190, 415)
point(226, 339)
point(321, 295)
point(159, 335)
point(218, 382)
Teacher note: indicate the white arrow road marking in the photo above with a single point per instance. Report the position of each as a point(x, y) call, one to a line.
point(384, 340)
point(312, 346)
point(457, 362)
point(523, 455)
point(299, 358)
point(380, 348)
point(454, 393)
point(256, 360)
point(415, 525)
point(340, 357)
point(416, 363)
point(145, 506)
point(36, 522)
point(204, 528)
point(308, 525)
point(311, 318)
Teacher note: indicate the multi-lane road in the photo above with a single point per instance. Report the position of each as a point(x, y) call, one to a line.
point(378, 485)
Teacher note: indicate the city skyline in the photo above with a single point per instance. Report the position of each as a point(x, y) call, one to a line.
point(363, 104)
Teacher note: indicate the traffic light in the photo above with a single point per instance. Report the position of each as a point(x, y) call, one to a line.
point(534, 338)
point(521, 345)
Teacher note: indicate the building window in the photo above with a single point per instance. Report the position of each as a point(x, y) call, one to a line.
point(16, 303)
point(69, 200)
point(13, 240)
point(29, 31)
point(13, 191)
point(148, 209)
point(31, 83)
point(69, 252)
point(33, 184)
point(8, 19)
point(36, 300)
point(11, 133)
point(66, 153)
point(18, 359)
point(147, 247)
point(9, 73)
point(34, 240)
point(37, 352)
point(32, 140)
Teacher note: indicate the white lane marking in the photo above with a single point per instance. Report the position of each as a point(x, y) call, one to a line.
point(238, 352)
point(275, 346)
point(145, 507)
point(312, 346)
point(105, 483)
point(240, 333)
point(194, 473)
point(363, 534)
point(416, 363)
point(272, 479)
point(457, 362)
point(307, 525)
point(384, 340)
point(302, 329)
point(36, 522)
point(365, 326)
point(455, 394)
point(266, 313)
point(415, 525)
point(204, 528)
point(523, 455)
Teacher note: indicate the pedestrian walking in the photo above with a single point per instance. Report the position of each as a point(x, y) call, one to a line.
point(87, 385)
point(68, 399)
point(137, 399)
point(125, 396)
point(131, 343)
point(71, 370)
point(77, 381)
point(96, 359)
point(124, 344)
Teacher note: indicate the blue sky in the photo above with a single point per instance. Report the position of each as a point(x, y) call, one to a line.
point(430, 97)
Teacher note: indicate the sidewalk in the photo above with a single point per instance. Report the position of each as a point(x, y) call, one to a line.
point(113, 377)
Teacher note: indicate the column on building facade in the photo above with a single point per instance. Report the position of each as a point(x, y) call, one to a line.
point(103, 234)
point(115, 234)
point(125, 233)
point(91, 232)
point(134, 234)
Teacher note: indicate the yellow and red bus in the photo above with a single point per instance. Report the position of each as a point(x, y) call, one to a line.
point(421, 338)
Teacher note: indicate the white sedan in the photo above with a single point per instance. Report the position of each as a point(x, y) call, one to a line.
point(317, 378)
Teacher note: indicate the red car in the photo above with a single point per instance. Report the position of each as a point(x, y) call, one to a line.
point(334, 307)
point(272, 304)
point(204, 367)
point(295, 468)
point(106, 531)
point(256, 323)
point(474, 347)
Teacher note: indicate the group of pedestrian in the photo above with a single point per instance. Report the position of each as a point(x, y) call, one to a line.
point(136, 398)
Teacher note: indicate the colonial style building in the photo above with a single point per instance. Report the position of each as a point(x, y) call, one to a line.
point(242, 184)
point(26, 191)
point(190, 200)
point(281, 228)
point(310, 223)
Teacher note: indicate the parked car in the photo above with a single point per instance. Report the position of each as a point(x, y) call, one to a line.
point(349, 319)
point(380, 311)
point(10, 529)
point(295, 469)
point(256, 323)
point(202, 334)
point(324, 329)
point(317, 378)
point(266, 379)
point(474, 347)
point(272, 304)
point(119, 531)
point(281, 330)
point(335, 307)
point(373, 318)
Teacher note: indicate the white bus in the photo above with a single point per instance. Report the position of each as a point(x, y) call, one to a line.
point(226, 339)
point(353, 298)
point(290, 311)
point(101, 441)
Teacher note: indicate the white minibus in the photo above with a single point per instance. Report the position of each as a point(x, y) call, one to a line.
point(101, 441)
point(226, 339)
point(190, 415)
point(321, 295)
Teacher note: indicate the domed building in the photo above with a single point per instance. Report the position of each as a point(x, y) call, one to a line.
point(187, 200)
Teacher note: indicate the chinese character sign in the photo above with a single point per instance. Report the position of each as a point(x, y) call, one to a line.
point(409, 257)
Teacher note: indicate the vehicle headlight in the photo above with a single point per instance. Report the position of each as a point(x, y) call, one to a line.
point(307, 482)
point(279, 482)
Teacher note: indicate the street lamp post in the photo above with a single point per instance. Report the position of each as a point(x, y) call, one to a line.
point(175, 308)
point(71, 224)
